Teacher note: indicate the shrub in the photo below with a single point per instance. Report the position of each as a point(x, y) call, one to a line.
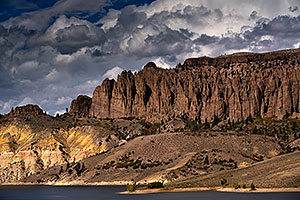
point(143, 166)
point(252, 186)
point(206, 162)
point(224, 182)
point(131, 187)
point(236, 185)
point(244, 186)
point(155, 185)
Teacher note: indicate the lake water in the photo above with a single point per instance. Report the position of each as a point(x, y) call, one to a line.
point(111, 192)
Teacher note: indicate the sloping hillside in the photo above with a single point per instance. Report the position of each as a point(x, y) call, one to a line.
point(280, 171)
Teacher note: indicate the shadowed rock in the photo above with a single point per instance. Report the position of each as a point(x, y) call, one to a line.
point(81, 106)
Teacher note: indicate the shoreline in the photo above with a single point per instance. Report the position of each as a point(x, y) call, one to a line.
point(218, 189)
point(73, 183)
point(161, 190)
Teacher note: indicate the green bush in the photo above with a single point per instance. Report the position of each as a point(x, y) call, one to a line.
point(244, 186)
point(224, 182)
point(131, 187)
point(144, 166)
point(252, 186)
point(155, 185)
point(236, 185)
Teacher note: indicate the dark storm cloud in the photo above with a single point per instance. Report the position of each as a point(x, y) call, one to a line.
point(235, 42)
point(161, 40)
point(280, 32)
point(205, 40)
point(71, 38)
point(253, 15)
point(129, 18)
point(293, 8)
point(51, 55)
point(41, 19)
point(282, 27)
point(169, 42)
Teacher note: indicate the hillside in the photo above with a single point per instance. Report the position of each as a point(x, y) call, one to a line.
point(281, 171)
point(235, 117)
point(167, 157)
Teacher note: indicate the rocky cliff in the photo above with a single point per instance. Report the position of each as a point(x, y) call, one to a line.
point(28, 110)
point(81, 106)
point(228, 87)
point(32, 141)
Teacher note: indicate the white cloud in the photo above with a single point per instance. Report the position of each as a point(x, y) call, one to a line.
point(162, 64)
point(297, 45)
point(60, 112)
point(63, 100)
point(25, 101)
point(5, 107)
point(87, 87)
point(237, 51)
point(67, 58)
point(113, 73)
point(267, 37)
point(40, 19)
point(52, 75)
point(29, 65)
point(110, 20)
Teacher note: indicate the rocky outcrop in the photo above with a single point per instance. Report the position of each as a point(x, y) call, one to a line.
point(81, 106)
point(29, 145)
point(27, 110)
point(24, 152)
point(228, 87)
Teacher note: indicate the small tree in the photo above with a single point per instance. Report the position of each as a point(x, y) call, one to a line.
point(131, 187)
point(236, 185)
point(224, 182)
point(155, 185)
point(252, 186)
point(206, 162)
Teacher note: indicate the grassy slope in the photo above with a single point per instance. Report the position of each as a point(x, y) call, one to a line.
point(280, 171)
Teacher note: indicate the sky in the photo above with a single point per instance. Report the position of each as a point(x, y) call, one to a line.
point(51, 51)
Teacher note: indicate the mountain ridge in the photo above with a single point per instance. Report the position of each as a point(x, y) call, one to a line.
point(228, 87)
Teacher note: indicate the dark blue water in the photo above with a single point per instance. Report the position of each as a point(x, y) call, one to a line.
point(111, 192)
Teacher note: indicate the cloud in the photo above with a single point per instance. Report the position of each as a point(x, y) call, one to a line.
point(25, 101)
point(52, 76)
point(40, 19)
point(205, 40)
point(63, 100)
point(113, 73)
point(162, 63)
point(293, 8)
point(51, 55)
point(59, 112)
point(69, 35)
point(87, 87)
point(5, 107)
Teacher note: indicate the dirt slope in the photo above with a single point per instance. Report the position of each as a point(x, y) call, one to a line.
point(280, 171)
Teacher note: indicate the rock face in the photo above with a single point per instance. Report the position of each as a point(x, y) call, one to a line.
point(24, 152)
point(81, 106)
point(28, 110)
point(228, 87)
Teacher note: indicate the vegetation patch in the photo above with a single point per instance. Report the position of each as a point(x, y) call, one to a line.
point(154, 185)
point(131, 187)
point(126, 162)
